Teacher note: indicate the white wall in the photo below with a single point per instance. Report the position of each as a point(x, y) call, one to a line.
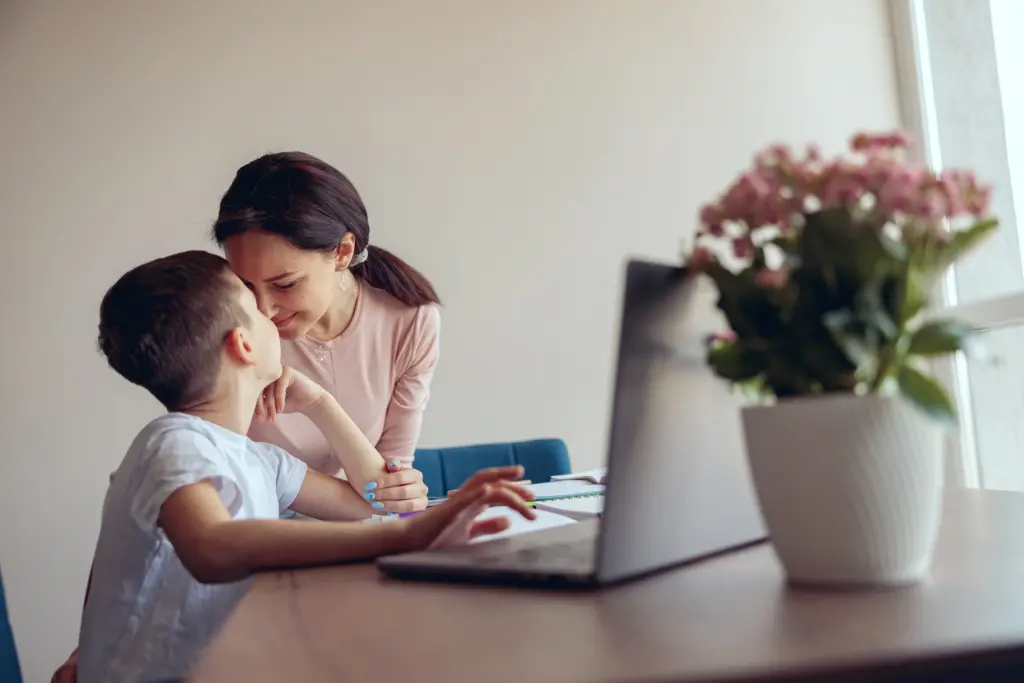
point(515, 150)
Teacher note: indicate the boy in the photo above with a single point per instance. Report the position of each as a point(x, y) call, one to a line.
point(194, 508)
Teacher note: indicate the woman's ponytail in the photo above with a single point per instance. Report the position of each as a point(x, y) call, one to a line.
point(389, 273)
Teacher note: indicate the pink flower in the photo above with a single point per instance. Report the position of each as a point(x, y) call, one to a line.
point(726, 337)
point(860, 142)
point(742, 201)
point(700, 259)
point(711, 214)
point(978, 201)
point(879, 142)
point(715, 230)
point(743, 247)
point(929, 207)
point(775, 155)
point(772, 279)
point(843, 183)
point(899, 140)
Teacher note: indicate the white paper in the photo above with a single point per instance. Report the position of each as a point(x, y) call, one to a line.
point(521, 525)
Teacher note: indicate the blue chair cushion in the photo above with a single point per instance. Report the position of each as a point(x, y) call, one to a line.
point(445, 469)
point(10, 671)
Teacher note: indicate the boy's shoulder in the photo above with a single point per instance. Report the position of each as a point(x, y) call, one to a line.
point(170, 425)
point(176, 435)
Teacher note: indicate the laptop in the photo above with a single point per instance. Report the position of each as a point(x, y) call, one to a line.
point(678, 486)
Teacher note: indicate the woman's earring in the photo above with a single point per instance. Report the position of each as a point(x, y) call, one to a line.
point(341, 281)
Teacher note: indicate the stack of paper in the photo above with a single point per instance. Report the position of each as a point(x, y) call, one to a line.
point(564, 489)
point(596, 476)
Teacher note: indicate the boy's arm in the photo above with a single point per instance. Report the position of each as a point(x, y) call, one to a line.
point(217, 549)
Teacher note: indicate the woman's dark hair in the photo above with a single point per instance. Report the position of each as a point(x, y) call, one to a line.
point(313, 205)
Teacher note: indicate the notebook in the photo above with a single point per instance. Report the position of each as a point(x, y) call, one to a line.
point(588, 507)
point(556, 490)
point(552, 490)
point(596, 476)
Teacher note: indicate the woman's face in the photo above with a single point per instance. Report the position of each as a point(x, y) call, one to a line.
point(293, 287)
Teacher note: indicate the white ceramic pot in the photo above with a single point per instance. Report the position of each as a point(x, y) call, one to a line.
point(849, 487)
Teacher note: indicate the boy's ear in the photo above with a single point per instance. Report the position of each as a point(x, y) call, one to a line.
point(238, 347)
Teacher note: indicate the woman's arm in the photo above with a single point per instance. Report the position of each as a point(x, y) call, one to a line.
point(362, 462)
point(409, 399)
point(330, 499)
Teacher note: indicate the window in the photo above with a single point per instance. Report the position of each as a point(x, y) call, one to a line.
point(964, 102)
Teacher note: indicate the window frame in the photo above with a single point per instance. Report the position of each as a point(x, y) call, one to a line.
point(920, 117)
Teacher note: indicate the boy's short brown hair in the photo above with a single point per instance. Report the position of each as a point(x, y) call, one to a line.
point(163, 325)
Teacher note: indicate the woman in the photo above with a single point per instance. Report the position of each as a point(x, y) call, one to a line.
point(352, 316)
point(355, 318)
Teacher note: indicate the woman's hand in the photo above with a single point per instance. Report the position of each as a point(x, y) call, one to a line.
point(400, 490)
point(454, 521)
point(293, 392)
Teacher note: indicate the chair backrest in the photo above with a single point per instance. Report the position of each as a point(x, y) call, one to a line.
point(10, 671)
point(445, 469)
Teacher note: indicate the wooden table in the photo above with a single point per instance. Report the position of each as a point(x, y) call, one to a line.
point(727, 619)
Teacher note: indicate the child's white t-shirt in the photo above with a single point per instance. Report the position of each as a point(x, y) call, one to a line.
point(147, 618)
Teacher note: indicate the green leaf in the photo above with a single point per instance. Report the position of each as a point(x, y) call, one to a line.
point(871, 308)
point(787, 243)
point(962, 242)
point(927, 394)
point(850, 336)
point(735, 362)
point(896, 250)
point(849, 253)
point(915, 293)
point(939, 337)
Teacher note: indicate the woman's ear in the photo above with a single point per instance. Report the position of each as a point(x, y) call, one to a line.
point(346, 251)
point(238, 347)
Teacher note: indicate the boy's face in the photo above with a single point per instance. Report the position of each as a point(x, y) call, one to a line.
point(262, 336)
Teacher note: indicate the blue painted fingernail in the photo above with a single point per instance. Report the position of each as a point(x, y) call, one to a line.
point(369, 496)
point(370, 486)
point(378, 505)
point(395, 463)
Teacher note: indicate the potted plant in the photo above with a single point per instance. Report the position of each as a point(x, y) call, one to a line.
point(824, 268)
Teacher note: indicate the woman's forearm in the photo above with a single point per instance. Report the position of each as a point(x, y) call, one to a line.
point(361, 461)
point(330, 499)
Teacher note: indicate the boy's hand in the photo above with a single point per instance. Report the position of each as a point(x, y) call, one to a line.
point(454, 521)
point(293, 392)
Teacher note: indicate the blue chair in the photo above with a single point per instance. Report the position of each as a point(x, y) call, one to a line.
point(10, 671)
point(445, 469)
